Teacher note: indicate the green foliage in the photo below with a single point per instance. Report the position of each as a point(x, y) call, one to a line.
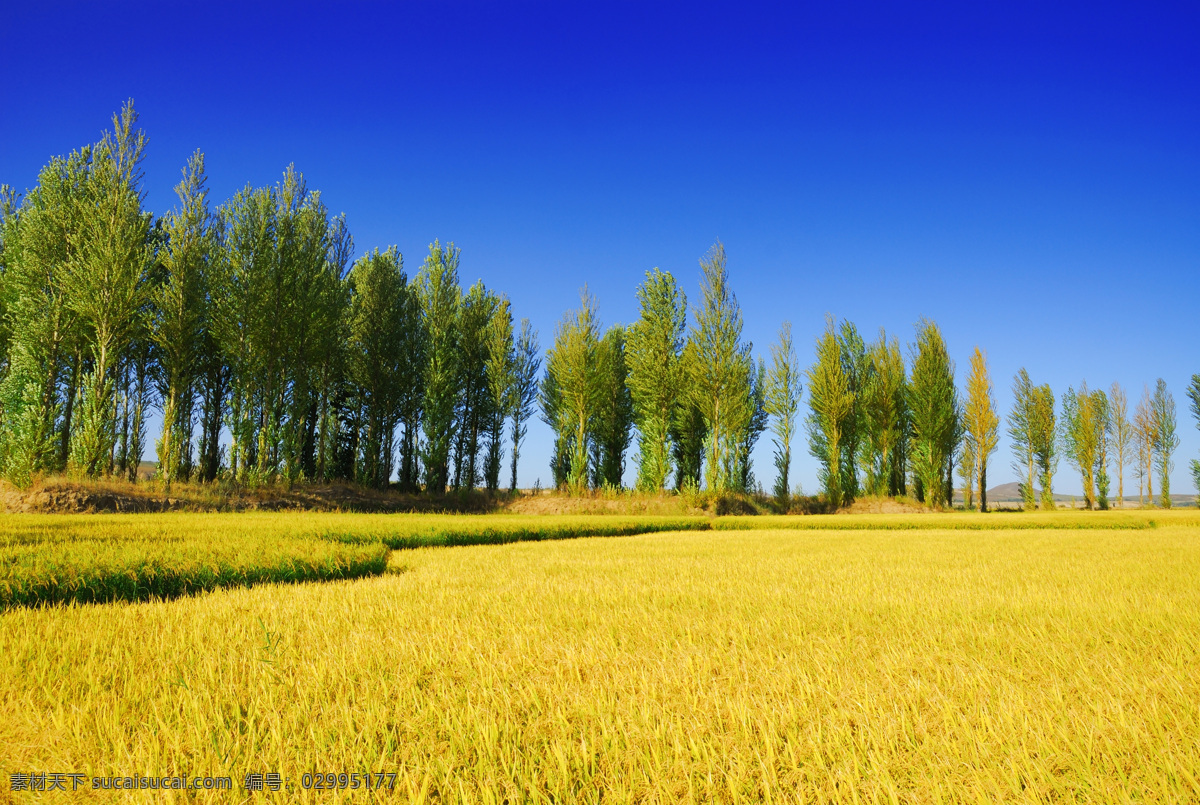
point(574, 367)
point(1193, 393)
point(178, 303)
point(612, 417)
point(722, 374)
point(688, 431)
point(857, 367)
point(1085, 426)
point(980, 424)
point(526, 363)
point(656, 373)
point(884, 418)
point(474, 402)
point(831, 405)
point(781, 402)
point(441, 299)
point(933, 403)
point(106, 283)
point(1166, 439)
point(379, 296)
point(500, 371)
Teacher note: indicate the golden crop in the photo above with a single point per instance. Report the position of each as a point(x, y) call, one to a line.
point(885, 665)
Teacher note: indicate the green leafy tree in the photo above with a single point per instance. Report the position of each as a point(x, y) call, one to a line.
point(781, 403)
point(573, 365)
point(553, 413)
point(1021, 434)
point(526, 363)
point(474, 403)
point(1193, 393)
point(831, 404)
point(106, 283)
point(743, 473)
point(688, 431)
point(981, 423)
point(934, 407)
point(441, 298)
point(654, 354)
point(857, 366)
point(612, 426)
point(1045, 441)
point(379, 291)
point(501, 380)
point(967, 465)
point(1085, 428)
point(178, 317)
point(884, 418)
point(41, 240)
point(722, 375)
point(1166, 440)
point(1121, 435)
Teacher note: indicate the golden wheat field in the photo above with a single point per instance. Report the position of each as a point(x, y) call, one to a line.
point(1017, 658)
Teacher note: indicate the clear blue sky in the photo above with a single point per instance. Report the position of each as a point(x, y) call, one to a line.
point(1026, 174)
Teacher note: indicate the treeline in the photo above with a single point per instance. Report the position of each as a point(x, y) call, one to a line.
point(243, 324)
point(877, 423)
point(272, 358)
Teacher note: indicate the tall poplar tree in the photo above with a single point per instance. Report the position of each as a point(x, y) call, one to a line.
point(1022, 437)
point(1166, 440)
point(1085, 420)
point(831, 405)
point(178, 325)
point(526, 363)
point(654, 354)
point(782, 401)
point(499, 369)
point(934, 407)
point(722, 373)
point(857, 367)
point(1145, 437)
point(106, 283)
point(1193, 393)
point(612, 426)
point(688, 431)
point(441, 298)
point(980, 421)
point(884, 418)
point(573, 365)
point(1045, 441)
point(1121, 432)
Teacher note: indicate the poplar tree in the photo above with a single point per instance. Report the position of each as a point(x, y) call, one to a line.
point(472, 407)
point(553, 413)
point(1045, 441)
point(1085, 426)
point(722, 373)
point(441, 298)
point(1145, 437)
point(500, 369)
point(1022, 432)
point(688, 431)
point(884, 418)
point(966, 470)
point(1166, 440)
point(1121, 432)
point(743, 469)
point(934, 407)
point(41, 241)
point(178, 325)
point(831, 404)
point(378, 289)
point(654, 354)
point(573, 365)
point(857, 367)
point(106, 283)
point(1193, 393)
point(782, 401)
point(981, 423)
point(613, 413)
point(526, 363)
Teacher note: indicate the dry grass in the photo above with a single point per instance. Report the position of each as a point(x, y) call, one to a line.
point(1039, 665)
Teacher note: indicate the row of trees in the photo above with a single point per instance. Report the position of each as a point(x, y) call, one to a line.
point(271, 357)
point(877, 424)
point(244, 322)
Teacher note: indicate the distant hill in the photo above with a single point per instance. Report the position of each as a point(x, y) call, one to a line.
point(1011, 493)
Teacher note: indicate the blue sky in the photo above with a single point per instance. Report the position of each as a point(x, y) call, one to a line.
point(1026, 174)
